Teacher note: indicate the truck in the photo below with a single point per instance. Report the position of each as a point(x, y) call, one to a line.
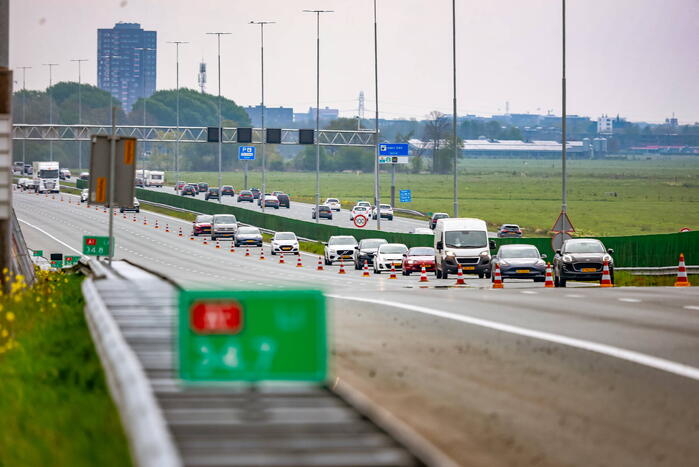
point(45, 177)
point(151, 177)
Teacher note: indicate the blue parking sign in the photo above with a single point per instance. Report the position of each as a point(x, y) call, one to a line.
point(406, 196)
point(246, 153)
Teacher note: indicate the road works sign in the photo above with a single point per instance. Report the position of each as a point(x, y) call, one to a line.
point(124, 167)
point(95, 246)
point(360, 220)
point(242, 335)
point(246, 153)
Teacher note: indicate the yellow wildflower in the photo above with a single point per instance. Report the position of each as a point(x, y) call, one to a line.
point(4, 333)
point(10, 316)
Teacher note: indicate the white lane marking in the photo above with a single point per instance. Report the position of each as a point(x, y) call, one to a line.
point(50, 236)
point(573, 295)
point(529, 292)
point(691, 307)
point(629, 355)
point(629, 300)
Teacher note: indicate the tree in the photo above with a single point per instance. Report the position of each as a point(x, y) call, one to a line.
point(436, 130)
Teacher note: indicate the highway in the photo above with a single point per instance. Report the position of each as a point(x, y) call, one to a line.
point(518, 376)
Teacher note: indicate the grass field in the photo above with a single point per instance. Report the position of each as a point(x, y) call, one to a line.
point(615, 197)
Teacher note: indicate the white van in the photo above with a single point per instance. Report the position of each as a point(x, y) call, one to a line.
point(462, 241)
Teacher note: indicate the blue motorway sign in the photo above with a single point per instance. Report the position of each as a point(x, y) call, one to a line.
point(246, 153)
point(393, 149)
point(406, 196)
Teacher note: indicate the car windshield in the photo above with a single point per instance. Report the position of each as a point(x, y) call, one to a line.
point(48, 173)
point(465, 239)
point(285, 236)
point(359, 208)
point(373, 242)
point(244, 192)
point(385, 206)
point(204, 219)
point(342, 241)
point(248, 230)
point(324, 208)
point(393, 249)
point(225, 219)
point(518, 253)
point(584, 247)
point(510, 227)
point(226, 187)
point(421, 251)
point(331, 200)
point(213, 190)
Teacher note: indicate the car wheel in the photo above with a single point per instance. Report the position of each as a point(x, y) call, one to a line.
point(377, 271)
point(138, 210)
point(121, 210)
point(327, 263)
point(481, 275)
point(390, 218)
point(357, 266)
point(438, 272)
point(445, 273)
point(539, 279)
point(272, 252)
point(488, 274)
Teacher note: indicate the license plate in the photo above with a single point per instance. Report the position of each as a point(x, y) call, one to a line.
point(522, 271)
point(397, 264)
point(346, 256)
point(286, 248)
point(589, 269)
point(469, 268)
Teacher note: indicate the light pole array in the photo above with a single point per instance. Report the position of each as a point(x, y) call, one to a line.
point(177, 112)
point(220, 131)
point(377, 187)
point(24, 111)
point(80, 108)
point(317, 13)
point(143, 51)
point(262, 105)
point(50, 96)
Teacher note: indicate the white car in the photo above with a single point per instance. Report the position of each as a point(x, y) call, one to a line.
point(363, 210)
point(223, 225)
point(22, 182)
point(339, 247)
point(334, 204)
point(285, 242)
point(422, 231)
point(366, 204)
point(389, 255)
point(84, 195)
point(386, 211)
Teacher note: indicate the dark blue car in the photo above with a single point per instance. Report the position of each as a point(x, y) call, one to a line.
point(520, 261)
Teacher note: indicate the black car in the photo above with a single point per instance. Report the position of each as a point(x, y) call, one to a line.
point(284, 200)
point(139, 182)
point(520, 261)
point(255, 192)
point(365, 251)
point(190, 190)
point(213, 193)
point(581, 259)
point(245, 195)
point(227, 190)
point(435, 217)
point(324, 212)
point(203, 187)
point(509, 230)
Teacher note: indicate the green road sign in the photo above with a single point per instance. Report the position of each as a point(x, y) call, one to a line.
point(38, 253)
point(71, 260)
point(242, 335)
point(56, 263)
point(95, 246)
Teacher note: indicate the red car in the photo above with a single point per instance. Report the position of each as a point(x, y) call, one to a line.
point(416, 258)
point(202, 225)
point(180, 185)
point(227, 190)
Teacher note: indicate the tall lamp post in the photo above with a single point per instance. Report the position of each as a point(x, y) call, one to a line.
point(80, 108)
point(24, 111)
point(317, 13)
point(177, 112)
point(262, 105)
point(564, 138)
point(377, 187)
point(456, 147)
point(220, 134)
point(143, 51)
point(50, 96)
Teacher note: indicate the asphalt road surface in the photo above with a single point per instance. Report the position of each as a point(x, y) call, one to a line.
point(517, 376)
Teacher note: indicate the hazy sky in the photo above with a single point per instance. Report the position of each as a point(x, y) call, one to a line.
point(639, 58)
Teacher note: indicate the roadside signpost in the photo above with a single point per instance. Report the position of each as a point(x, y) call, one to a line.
point(406, 196)
point(95, 246)
point(360, 220)
point(56, 260)
point(38, 253)
point(562, 229)
point(393, 153)
point(124, 169)
point(246, 153)
point(70, 260)
point(243, 335)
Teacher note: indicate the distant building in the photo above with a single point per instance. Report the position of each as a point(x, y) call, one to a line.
point(128, 74)
point(509, 148)
point(605, 125)
point(275, 117)
point(325, 115)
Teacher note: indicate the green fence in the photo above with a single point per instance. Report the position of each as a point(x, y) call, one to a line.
point(318, 231)
point(80, 183)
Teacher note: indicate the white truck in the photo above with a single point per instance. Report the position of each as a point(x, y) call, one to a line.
point(151, 177)
point(45, 177)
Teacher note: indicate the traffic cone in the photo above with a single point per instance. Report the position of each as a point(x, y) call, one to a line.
point(191, 236)
point(606, 279)
point(247, 252)
point(167, 227)
point(460, 276)
point(232, 250)
point(145, 221)
point(218, 245)
point(342, 267)
point(497, 279)
point(179, 234)
point(156, 224)
point(549, 277)
point(134, 217)
point(682, 280)
point(204, 242)
point(423, 274)
point(299, 264)
point(320, 265)
point(61, 199)
point(124, 215)
point(365, 273)
point(281, 258)
point(393, 273)
point(262, 253)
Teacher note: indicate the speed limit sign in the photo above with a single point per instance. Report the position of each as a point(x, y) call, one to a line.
point(360, 220)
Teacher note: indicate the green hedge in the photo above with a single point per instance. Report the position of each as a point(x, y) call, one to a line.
point(80, 183)
point(318, 231)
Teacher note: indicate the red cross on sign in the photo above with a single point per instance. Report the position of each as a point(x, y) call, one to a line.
point(216, 317)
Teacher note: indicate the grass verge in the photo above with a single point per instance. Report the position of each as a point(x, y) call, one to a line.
point(55, 407)
point(626, 279)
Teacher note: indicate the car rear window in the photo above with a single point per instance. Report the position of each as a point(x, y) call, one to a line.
point(332, 200)
point(285, 236)
point(204, 218)
point(344, 240)
point(393, 249)
point(225, 219)
point(584, 247)
point(373, 242)
point(519, 253)
point(248, 230)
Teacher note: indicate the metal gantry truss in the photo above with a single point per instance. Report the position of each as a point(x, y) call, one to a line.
point(163, 134)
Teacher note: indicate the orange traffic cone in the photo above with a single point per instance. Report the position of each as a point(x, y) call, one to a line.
point(205, 242)
point(218, 245)
point(281, 258)
point(606, 279)
point(320, 264)
point(247, 252)
point(682, 280)
point(262, 253)
point(393, 272)
point(549, 277)
point(460, 276)
point(124, 215)
point(232, 250)
point(299, 264)
point(365, 273)
point(179, 234)
point(191, 236)
point(423, 274)
point(497, 278)
point(167, 227)
point(134, 217)
point(156, 224)
point(342, 267)
point(145, 221)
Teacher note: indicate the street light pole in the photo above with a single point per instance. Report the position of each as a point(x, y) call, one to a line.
point(456, 147)
point(262, 105)
point(317, 12)
point(80, 109)
point(24, 111)
point(177, 141)
point(564, 142)
point(50, 96)
point(377, 187)
point(143, 73)
point(220, 130)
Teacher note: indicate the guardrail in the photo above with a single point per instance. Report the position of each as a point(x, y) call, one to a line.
point(20, 261)
point(663, 271)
